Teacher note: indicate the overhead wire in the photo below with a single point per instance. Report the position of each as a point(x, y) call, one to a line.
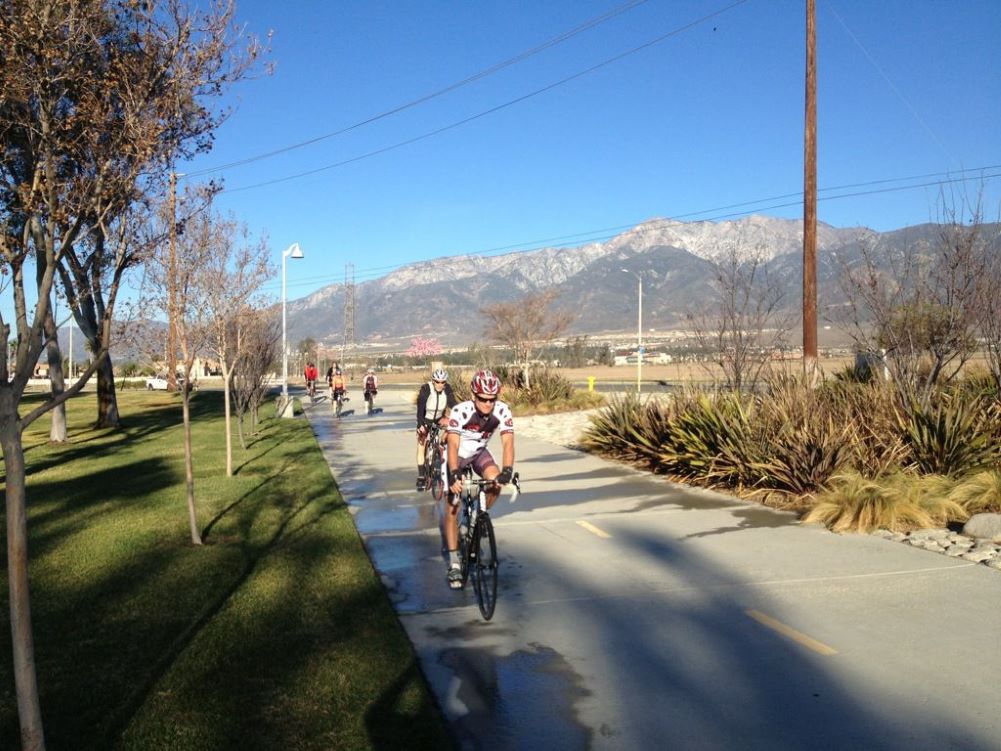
point(497, 108)
point(559, 39)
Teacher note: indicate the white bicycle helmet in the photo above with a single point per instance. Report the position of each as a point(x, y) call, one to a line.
point(439, 375)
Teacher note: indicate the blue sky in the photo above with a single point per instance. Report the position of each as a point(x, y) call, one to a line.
point(708, 117)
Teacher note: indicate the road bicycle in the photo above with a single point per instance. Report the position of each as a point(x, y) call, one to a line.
point(311, 391)
point(477, 542)
point(370, 400)
point(337, 399)
point(434, 460)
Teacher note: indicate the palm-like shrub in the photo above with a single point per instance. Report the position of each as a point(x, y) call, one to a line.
point(805, 437)
point(709, 436)
point(949, 436)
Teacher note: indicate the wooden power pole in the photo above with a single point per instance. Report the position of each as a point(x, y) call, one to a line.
point(810, 201)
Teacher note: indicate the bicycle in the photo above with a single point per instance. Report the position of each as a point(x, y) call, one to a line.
point(338, 398)
point(434, 460)
point(477, 542)
point(370, 400)
point(311, 391)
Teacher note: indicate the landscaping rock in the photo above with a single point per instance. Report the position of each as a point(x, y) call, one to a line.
point(984, 526)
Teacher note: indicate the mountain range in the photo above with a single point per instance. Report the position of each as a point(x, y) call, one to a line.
point(441, 298)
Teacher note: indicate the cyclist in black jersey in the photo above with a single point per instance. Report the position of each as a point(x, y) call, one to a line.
point(434, 401)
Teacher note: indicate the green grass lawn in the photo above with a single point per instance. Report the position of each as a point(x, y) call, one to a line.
point(276, 634)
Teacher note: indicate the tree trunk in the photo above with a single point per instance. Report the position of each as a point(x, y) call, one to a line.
point(25, 679)
point(107, 399)
point(239, 430)
point(57, 433)
point(189, 468)
point(229, 432)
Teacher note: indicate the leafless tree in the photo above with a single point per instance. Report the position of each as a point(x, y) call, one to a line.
point(259, 334)
point(182, 282)
point(94, 94)
point(921, 305)
point(236, 269)
point(746, 322)
point(526, 325)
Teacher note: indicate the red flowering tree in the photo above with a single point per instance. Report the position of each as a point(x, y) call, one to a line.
point(422, 347)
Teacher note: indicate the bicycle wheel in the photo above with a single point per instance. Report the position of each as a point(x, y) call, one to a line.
point(437, 480)
point(465, 542)
point(484, 567)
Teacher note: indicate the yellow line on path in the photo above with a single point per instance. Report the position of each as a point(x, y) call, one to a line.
point(593, 529)
point(791, 633)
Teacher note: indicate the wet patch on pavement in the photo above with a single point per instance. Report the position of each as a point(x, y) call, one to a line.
point(527, 699)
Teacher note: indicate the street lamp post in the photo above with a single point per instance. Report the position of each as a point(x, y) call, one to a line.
point(639, 329)
point(293, 251)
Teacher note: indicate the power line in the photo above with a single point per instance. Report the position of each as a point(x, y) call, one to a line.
point(497, 108)
point(712, 214)
point(589, 24)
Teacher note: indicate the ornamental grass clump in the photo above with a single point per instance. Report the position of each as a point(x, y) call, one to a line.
point(899, 503)
point(979, 493)
point(858, 504)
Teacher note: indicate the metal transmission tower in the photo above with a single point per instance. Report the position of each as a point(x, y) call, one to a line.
point(348, 342)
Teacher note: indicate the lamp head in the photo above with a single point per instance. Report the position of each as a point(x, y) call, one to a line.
point(294, 251)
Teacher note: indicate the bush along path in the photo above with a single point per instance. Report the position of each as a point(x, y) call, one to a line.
point(855, 457)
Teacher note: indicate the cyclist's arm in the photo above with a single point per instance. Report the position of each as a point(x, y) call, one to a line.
point(422, 402)
point(453, 460)
point(507, 443)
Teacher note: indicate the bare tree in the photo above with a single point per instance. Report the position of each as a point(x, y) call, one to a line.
point(746, 323)
point(235, 271)
point(526, 325)
point(93, 93)
point(921, 305)
point(259, 334)
point(181, 282)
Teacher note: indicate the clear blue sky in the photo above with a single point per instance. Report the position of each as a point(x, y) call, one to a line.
point(710, 116)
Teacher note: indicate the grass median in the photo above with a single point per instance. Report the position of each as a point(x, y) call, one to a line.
point(276, 633)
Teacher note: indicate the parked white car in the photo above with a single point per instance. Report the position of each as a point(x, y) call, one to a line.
point(159, 382)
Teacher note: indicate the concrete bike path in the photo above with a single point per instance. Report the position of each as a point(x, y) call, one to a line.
point(637, 614)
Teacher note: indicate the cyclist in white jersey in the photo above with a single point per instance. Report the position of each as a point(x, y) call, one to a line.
point(470, 427)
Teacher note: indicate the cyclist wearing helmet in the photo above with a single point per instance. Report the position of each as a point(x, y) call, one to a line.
point(470, 426)
point(371, 389)
point(434, 401)
point(336, 382)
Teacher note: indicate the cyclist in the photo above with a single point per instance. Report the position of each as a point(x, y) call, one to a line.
point(470, 426)
point(371, 388)
point(311, 375)
point(335, 380)
point(434, 401)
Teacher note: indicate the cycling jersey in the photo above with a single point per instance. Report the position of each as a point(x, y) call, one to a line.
point(475, 429)
point(371, 383)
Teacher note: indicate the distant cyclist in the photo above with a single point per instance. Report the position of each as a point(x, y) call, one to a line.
point(335, 379)
point(470, 426)
point(311, 374)
point(434, 401)
point(371, 388)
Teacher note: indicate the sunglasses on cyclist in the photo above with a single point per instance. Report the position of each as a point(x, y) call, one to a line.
point(485, 400)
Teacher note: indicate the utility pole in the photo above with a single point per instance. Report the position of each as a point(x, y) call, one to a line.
point(347, 343)
point(810, 201)
point(171, 354)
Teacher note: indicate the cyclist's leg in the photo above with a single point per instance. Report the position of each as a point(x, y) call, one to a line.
point(486, 467)
point(421, 450)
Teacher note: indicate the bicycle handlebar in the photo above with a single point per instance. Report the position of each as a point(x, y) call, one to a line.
point(481, 483)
